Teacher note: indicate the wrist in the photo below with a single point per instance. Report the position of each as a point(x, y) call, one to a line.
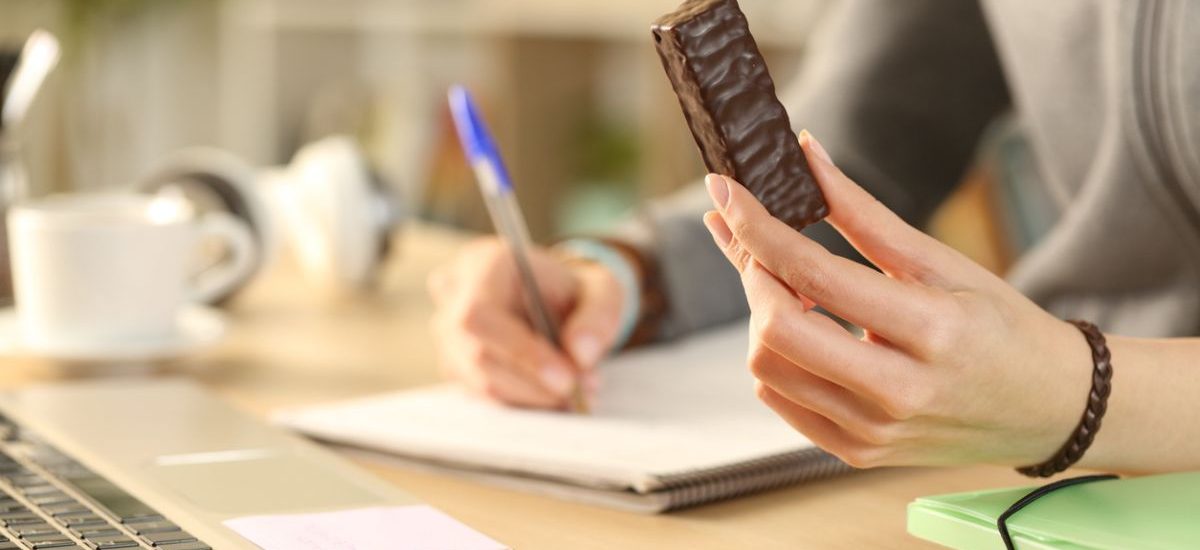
point(1135, 420)
point(1085, 422)
point(1060, 415)
point(598, 255)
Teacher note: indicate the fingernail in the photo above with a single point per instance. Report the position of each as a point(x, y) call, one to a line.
point(587, 350)
point(557, 379)
point(817, 148)
point(718, 189)
point(716, 226)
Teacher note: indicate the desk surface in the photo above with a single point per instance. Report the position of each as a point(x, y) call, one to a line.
point(289, 345)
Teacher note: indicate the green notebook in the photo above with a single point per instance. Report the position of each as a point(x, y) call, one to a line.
point(1153, 512)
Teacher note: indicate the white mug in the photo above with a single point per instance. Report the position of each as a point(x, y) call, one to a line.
point(96, 269)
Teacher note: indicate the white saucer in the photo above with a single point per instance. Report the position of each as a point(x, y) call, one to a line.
point(196, 327)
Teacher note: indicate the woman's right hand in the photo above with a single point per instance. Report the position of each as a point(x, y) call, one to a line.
point(484, 337)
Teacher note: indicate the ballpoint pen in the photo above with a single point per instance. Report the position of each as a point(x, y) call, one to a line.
point(505, 212)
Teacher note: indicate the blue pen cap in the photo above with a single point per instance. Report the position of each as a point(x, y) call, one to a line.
point(477, 143)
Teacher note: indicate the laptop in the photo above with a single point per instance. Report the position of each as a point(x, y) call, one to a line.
point(156, 463)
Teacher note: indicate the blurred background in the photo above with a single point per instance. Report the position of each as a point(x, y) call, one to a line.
point(573, 89)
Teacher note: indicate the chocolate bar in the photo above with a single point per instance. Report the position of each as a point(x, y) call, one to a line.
point(729, 102)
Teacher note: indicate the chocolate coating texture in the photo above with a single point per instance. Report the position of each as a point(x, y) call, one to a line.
point(728, 99)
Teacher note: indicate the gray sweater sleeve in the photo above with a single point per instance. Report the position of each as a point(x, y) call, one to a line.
point(898, 92)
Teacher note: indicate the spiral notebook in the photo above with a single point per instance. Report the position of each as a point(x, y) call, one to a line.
point(673, 426)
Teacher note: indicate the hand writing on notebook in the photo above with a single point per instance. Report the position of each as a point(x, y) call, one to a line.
point(956, 365)
point(485, 340)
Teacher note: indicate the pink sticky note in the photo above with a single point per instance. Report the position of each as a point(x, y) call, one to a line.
point(416, 527)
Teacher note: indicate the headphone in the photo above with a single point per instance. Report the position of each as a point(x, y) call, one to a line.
point(327, 206)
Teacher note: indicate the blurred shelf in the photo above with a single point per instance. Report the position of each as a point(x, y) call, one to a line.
point(776, 22)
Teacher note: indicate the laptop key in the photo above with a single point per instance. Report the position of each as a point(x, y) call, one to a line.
point(156, 539)
point(142, 518)
point(39, 489)
point(53, 544)
point(64, 509)
point(99, 525)
point(82, 520)
point(111, 542)
point(35, 529)
point(43, 537)
point(194, 545)
point(22, 519)
point(26, 480)
point(51, 498)
point(96, 532)
point(154, 527)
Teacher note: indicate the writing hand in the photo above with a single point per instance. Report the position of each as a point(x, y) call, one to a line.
point(485, 340)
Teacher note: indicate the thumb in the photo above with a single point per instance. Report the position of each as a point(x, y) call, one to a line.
point(591, 327)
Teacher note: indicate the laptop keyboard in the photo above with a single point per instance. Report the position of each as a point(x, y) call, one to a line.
point(49, 500)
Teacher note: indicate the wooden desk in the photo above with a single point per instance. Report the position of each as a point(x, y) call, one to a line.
point(288, 346)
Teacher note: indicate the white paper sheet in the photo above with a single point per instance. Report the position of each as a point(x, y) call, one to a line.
point(416, 527)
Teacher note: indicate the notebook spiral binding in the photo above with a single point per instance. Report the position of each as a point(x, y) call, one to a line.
point(724, 482)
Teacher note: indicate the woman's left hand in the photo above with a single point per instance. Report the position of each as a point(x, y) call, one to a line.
point(956, 366)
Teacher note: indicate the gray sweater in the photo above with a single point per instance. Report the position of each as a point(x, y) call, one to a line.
point(1107, 91)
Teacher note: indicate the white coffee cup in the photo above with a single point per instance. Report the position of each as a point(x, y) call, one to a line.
point(102, 269)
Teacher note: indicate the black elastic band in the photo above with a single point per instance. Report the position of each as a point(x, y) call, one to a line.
point(1002, 521)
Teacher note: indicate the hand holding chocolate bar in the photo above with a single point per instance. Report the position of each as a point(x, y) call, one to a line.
point(957, 366)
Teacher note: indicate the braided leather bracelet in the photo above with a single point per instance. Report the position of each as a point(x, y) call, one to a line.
point(1097, 404)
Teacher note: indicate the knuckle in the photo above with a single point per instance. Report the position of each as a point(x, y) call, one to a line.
point(915, 400)
point(943, 327)
point(809, 278)
point(760, 362)
point(738, 255)
point(878, 433)
point(740, 224)
point(860, 456)
point(773, 328)
point(764, 393)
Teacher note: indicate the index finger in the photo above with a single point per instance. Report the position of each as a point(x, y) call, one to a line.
point(896, 310)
